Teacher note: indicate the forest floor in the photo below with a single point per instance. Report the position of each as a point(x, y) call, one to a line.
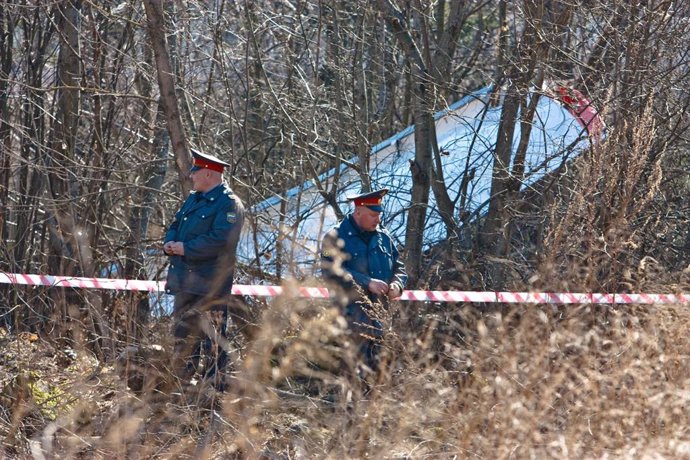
point(524, 381)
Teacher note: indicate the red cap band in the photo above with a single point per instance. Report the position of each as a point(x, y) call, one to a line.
point(371, 201)
point(200, 162)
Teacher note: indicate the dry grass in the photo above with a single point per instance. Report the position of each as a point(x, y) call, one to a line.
point(513, 382)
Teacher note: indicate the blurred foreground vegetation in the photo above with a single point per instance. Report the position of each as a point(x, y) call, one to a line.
point(458, 381)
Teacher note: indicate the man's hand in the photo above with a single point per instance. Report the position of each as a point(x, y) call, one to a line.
point(394, 291)
point(174, 248)
point(378, 287)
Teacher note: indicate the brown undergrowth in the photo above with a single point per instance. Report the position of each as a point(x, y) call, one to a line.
point(457, 381)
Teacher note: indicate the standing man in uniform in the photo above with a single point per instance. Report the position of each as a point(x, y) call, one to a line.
point(202, 244)
point(370, 270)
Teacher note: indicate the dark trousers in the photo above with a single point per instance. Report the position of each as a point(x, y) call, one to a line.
point(366, 332)
point(369, 350)
point(189, 314)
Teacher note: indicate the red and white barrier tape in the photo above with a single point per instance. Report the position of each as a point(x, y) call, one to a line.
point(322, 292)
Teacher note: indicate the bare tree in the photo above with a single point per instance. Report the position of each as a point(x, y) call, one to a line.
point(522, 65)
point(625, 216)
point(166, 83)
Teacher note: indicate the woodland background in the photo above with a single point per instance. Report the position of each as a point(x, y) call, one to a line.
point(101, 101)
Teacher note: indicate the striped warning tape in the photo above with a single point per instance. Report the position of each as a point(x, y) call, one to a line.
point(322, 292)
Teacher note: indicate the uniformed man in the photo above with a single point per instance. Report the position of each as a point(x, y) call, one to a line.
point(370, 269)
point(202, 243)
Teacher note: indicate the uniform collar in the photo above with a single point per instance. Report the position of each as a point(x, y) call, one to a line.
point(353, 224)
point(210, 194)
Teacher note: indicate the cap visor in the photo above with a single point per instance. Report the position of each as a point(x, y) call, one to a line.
point(376, 208)
point(195, 168)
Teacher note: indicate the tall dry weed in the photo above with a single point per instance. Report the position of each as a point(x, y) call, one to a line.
point(595, 229)
point(459, 381)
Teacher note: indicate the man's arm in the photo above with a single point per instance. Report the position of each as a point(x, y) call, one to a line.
point(171, 236)
point(332, 268)
point(399, 280)
point(212, 244)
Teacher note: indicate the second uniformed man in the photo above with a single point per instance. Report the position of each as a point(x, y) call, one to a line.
point(373, 271)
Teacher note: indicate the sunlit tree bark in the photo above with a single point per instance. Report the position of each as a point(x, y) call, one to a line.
point(166, 83)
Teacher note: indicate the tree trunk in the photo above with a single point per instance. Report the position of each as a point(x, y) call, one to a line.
point(166, 83)
point(423, 118)
point(70, 253)
point(6, 45)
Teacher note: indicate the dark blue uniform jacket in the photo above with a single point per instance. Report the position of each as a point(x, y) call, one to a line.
point(367, 255)
point(209, 225)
